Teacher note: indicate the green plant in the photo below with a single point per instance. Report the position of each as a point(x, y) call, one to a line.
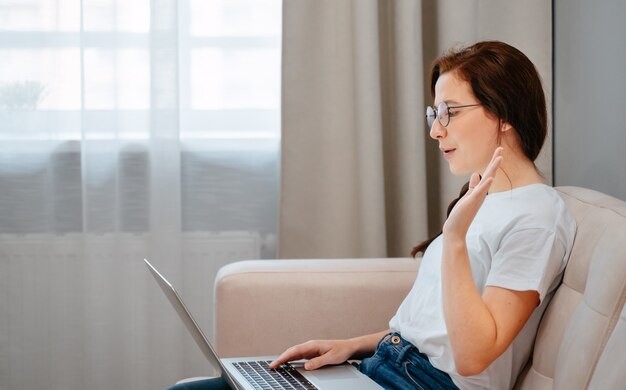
point(21, 95)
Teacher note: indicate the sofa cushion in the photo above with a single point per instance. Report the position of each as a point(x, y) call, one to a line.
point(583, 313)
point(610, 372)
point(263, 307)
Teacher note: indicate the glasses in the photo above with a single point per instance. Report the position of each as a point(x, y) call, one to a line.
point(442, 113)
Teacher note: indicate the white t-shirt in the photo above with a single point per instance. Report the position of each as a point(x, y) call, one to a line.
point(519, 240)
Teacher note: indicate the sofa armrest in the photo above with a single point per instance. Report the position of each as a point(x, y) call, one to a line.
point(263, 307)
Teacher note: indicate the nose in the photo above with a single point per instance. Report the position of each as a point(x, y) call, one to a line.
point(437, 131)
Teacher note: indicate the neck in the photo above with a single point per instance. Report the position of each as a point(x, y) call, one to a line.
point(516, 171)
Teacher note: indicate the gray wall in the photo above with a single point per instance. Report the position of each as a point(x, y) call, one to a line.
point(590, 95)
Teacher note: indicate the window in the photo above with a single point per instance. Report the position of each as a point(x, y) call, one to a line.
point(84, 84)
point(64, 59)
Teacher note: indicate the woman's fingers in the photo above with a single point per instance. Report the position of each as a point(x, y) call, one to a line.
point(321, 353)
point(308, 350)
point(494, 164)
point(317, 362)
point(465, 210)
point(294, 353)
point(485, 182)
point(474, 180)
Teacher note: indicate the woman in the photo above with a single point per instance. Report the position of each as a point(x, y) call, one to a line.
point(471, 318)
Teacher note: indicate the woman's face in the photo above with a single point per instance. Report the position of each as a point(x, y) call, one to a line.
point(471, 136)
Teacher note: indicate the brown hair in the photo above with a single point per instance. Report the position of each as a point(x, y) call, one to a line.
point(507, 85)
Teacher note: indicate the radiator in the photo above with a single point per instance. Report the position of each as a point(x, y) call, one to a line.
point(223, 247)
point(82, 310)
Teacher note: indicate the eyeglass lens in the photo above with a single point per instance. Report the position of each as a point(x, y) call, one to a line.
point(441, 113)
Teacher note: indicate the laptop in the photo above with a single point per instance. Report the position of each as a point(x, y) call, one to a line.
point(252, 373)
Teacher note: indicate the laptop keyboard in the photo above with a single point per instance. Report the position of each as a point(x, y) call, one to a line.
point(262, 377)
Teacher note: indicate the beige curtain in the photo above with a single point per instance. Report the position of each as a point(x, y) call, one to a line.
point(360, 177)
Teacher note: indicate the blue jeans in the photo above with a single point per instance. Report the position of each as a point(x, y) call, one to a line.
point(396, 365)
point(399, 365)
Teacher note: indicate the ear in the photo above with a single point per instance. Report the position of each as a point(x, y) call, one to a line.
point(505, 126)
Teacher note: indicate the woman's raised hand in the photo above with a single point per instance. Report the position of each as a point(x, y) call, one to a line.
point(320, 353)
point(463, 213)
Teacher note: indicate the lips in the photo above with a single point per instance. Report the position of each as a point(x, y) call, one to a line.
point(447, 152)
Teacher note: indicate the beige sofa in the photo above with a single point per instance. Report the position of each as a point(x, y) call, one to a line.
point(263, 307)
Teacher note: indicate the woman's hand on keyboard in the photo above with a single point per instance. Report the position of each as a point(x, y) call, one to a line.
point(320, 353)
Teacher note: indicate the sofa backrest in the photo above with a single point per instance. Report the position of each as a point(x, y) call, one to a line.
point(610, 372)
point(581, 334)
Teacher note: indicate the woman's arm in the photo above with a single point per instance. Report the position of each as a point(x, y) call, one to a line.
point(480, 327)
point(325, 352)
point(366, 345)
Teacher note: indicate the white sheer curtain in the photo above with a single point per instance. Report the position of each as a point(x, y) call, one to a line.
point(128, 129)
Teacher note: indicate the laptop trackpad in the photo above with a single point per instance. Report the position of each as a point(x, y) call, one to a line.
point(333, 373)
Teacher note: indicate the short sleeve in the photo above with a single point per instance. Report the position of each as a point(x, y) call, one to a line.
point(528, 259)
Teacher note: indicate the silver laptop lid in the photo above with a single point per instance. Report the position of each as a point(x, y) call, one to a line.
point(190, 323)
